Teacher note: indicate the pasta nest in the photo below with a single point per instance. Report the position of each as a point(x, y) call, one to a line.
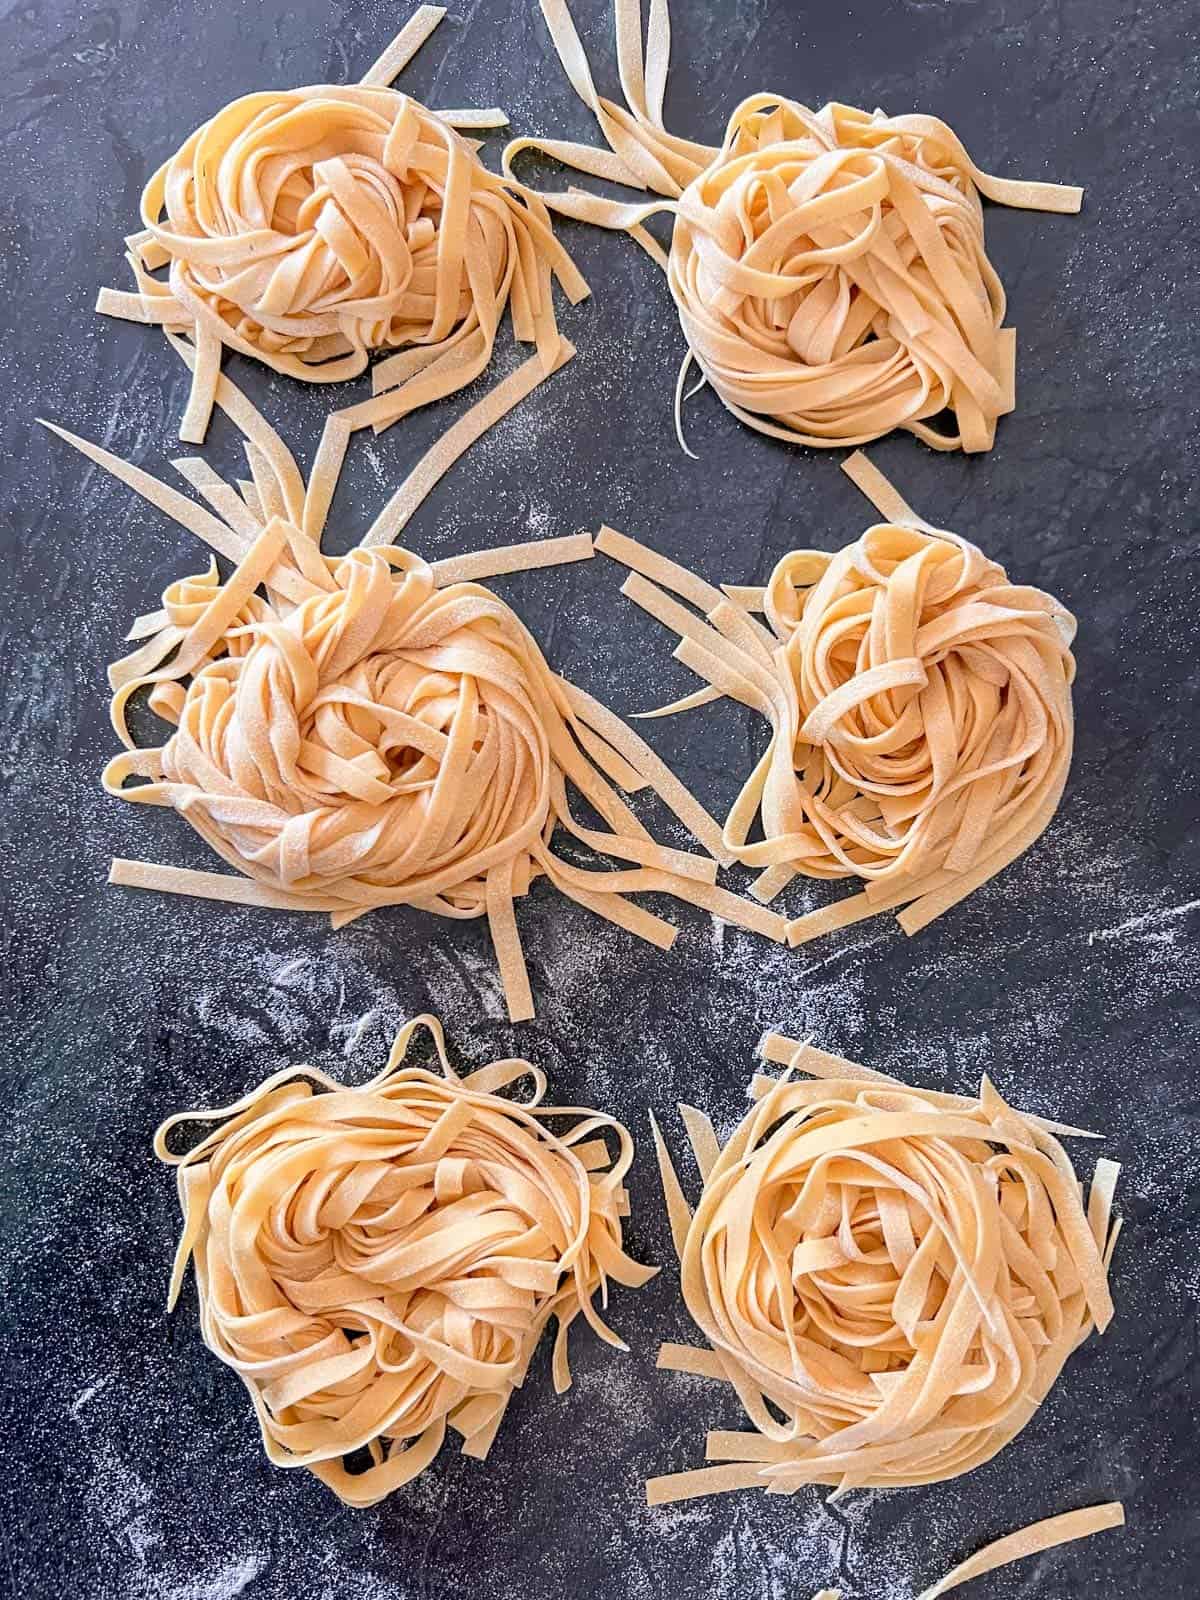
point(830, 276)
point(828, 266)
point(310, 227)
point(384, 742)
point(376, 1263)
point(919, 704)
point(892, 1279)
point(369, 730)
point(930, 703)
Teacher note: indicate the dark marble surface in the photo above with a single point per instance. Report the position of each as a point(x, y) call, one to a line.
point(132, 1465)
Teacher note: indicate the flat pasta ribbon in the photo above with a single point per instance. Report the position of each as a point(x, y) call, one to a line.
point(828, 267)
point(370, 730)
point(1031, 1540)
point(919, 702)
point(378, 1264)
point(890, 1278)
point(309, 228)
point(1047, 1534)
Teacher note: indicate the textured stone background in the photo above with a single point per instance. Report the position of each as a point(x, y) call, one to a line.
point(133, 1466)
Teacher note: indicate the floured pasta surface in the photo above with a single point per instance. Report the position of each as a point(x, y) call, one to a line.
point(370, 730)
point(377, 1264)
point(891, 1279)
point(309, 228)
point(828, 267)
point(919, 703)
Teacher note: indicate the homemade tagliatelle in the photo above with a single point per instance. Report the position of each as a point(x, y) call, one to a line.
point(828, 267)
point(919, 702)
point(378, 1264)
point(891, 1279)
point(308, 228)
point(370, 730)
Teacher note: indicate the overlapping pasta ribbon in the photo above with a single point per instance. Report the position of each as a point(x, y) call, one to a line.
point(370, 730)
point(828, 267)
point(378, 1264)
point(309, 228)
point(919, 702)
point(890, 1278)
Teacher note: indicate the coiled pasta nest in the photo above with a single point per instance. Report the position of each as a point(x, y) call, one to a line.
point(892, 1279)
point(378, 1264)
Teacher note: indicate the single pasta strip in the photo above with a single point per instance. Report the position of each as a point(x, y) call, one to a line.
point(355, 732)
point(891, 1279)
point(828, 267)
point(379, 1263)
point(883, 495)
point(483, 117)
point(222, 886)
point(438, 460)
point(919, 704)
point(311, 228)
point(1029, 1541)
point(395, 57)
point(1032, 1540)
point(482, 564)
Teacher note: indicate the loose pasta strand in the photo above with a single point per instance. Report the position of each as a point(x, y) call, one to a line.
point(1031, 1540)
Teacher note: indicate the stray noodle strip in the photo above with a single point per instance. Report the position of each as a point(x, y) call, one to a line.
point(1031, 1541)
point(1028, 1541)
point(310, 228)
point(919, 703)
point(369, 730)
point(828, 267)
point(900, 1275)
point(379, 1263)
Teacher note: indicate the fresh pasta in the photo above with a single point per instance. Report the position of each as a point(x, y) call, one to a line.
point(378, 1264)
point(828, 267)
point(919, 703)
point(890, 1278)
point(371, 730)
point(1031, 1540)
point(310, 228)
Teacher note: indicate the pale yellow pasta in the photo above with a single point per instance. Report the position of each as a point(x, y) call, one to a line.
point(828, 267)
point(370, 730)
point(310, 228)
point(1028, 1541)
point(1031, 1540)
point(919, 705)
point(891, 1279)
point(377, 1264)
